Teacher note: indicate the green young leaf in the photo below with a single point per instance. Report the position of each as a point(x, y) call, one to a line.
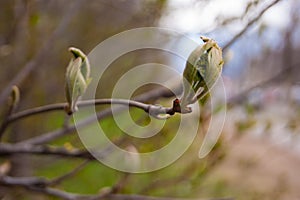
point(85, 68)
point(77, 79)
point(201, 72)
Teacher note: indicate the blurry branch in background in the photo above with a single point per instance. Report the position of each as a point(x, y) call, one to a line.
point(35, 184)
point(45, 186)
point(44, 51)
point(164, 183)
point(249, 24)
point(250, 7)
point(9, 149)
point(41, 185)
point(73, 172)
point(6, 149)
point(281, 76)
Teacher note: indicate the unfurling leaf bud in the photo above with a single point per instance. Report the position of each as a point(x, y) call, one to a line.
point(201, 72)
point(77, 79)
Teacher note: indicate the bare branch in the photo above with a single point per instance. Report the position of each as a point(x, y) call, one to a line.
point(276, 78)
point(151, 109)
point(35, 184)
point(30, 181)
point(249, 24)
point(61, 106)
point(50, 136)
point(8, 149)
point(60, 179)
point(141, 197)
point(39, 185)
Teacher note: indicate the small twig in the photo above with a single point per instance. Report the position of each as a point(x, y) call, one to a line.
point(5, 121)
point(115, 188)
point(74, 171)
point(164, 183)
point(39, 185)
point(32, 181)
point(148, 96)
point(35, 184)
point(120, 184)
point(50, 136)
point(9, 149)
point(151, 109)
point(142, 197)
point(25, 148)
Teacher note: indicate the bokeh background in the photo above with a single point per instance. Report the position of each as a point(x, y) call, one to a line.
point(258, 154)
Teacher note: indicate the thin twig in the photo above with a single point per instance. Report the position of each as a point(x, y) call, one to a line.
point(153, 110)
point(74, 171)
point(5, 121)
point(33, 181)
point(26, 148)
point(120, 184)
point(50, 136)
point(9, 149)
point(141, 197)
point(61, 106)
point(249, 24)
point(35, 184)
point(39, 185)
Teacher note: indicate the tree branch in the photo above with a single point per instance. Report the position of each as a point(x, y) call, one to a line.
point(249, 24)
point(35, 184)
point(50, 136)
point(61, 106)
point(63, 177)
point(9, 149)
point(141, 197)
point(40, 185)
point(280, 76)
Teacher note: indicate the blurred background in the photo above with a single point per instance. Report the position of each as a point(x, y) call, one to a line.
point(258, 154)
